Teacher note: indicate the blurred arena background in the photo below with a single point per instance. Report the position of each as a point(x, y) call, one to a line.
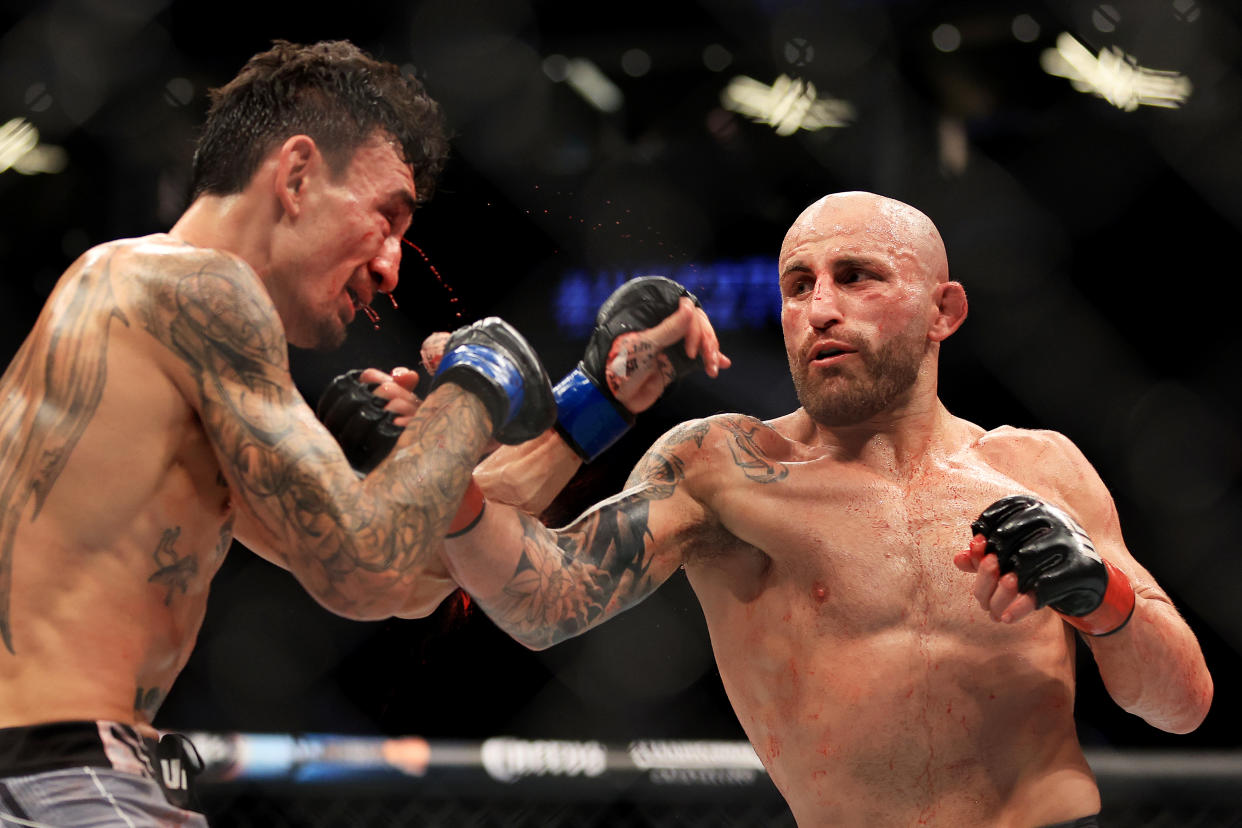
point(1083, 161)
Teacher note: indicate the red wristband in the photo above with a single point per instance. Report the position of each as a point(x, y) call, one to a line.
point(1114, 611)
point(470, 511)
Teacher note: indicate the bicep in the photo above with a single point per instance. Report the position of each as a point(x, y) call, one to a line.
point(227, 352)
point(1092, 504)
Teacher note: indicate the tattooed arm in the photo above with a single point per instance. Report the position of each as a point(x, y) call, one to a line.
point(357, 546)
point(543, 586)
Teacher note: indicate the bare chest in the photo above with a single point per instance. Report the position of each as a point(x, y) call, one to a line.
point(857, 550)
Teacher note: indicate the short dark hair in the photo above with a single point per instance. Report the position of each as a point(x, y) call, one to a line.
point(332, 91)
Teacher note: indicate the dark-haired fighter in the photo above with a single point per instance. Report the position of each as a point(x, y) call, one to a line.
point(878, 683)
point(150, 418)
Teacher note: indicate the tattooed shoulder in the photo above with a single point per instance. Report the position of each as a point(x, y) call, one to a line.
point(663, 465)
point(209, 308)
point(746, 435)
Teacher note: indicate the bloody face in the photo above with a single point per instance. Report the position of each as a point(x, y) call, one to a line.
point(346, 246)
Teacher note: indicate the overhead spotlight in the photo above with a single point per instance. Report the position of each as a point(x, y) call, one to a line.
point(20, 150)
point(716, 57)
point(946, 37)
point(787, 105)
point(635, 63)
point(1114, 76)
point(1025, 28)
point(585, 78)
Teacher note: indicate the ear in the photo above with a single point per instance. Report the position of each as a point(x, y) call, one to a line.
point(296, 160)
point(950, 298)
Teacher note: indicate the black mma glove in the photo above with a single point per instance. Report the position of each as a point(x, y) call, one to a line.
point(1054, 558)
point(357, 419)
point(589, 417)
point(491, 360)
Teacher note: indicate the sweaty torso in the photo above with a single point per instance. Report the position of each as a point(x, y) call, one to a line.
point(874, 688)
point(114, 513)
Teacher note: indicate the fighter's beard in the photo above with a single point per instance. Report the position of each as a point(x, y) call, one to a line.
point(889, 372)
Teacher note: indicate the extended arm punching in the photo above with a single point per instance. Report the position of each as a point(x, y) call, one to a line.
point(543, 586)
point(650, 332)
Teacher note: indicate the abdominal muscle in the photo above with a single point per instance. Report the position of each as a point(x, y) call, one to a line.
point(918, 722)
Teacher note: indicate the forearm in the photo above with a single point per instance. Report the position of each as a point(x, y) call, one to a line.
point(1154, 668)
point(503, 563)
point(543, 586)
point(361, 547)
point(530, 475)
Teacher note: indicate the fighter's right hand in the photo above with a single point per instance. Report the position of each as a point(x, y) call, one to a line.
point(492, 361)
point(649, 333)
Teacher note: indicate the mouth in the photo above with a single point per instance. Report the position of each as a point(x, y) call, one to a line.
point(829, 353)
point(364, 307)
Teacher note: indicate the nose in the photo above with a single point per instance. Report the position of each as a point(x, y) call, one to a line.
point(825, 310)
point(386, 265)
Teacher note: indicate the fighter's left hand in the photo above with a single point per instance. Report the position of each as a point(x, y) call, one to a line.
point(397, 389)
point(1027, 554)
point(997, 593)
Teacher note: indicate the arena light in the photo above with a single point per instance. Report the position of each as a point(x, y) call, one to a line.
point(585, 78)
point(21, 151)
point(788, 105)
point(1114, 76)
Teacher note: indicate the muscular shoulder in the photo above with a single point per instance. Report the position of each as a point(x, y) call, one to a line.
point(183, 275)
point(1046, 461)
point(206, 310)
point(1008, 445)
point(698, 451)
point(711, 435)
point(202, 302)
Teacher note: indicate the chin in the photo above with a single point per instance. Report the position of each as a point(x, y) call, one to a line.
point(324, 335)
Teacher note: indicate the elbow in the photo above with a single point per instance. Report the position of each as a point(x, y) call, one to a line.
point(543, 638)
point(535, 645)
point(1197, 710)
point(375, 598)
point(1193, 710)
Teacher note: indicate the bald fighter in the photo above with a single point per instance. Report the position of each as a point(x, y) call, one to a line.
point(893, 593)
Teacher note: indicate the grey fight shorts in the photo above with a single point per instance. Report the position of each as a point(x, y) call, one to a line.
point(90, 775)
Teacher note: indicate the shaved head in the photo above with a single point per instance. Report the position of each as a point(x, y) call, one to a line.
point(866, 300)
point(889, 227)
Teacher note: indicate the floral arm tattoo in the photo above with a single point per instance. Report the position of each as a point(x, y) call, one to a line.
point(333, 529)
point(568, 580)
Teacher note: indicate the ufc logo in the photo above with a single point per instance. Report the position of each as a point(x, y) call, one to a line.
point(174, 775)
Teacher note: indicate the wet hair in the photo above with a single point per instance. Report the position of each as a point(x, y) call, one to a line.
point(332, 91)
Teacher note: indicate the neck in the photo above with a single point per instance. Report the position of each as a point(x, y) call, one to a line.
point(894, 441)
point(231, 223)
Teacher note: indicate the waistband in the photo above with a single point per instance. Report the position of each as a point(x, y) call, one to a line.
point(52, 746)
point(1092, 821)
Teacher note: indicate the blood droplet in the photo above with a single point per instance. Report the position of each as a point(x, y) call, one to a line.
point(371, 314)
point(439, 278)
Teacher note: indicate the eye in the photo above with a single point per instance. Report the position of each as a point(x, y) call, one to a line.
point(854, 275)
point(799, 285)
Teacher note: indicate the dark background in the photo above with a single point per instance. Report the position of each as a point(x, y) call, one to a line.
point(1099, 249)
